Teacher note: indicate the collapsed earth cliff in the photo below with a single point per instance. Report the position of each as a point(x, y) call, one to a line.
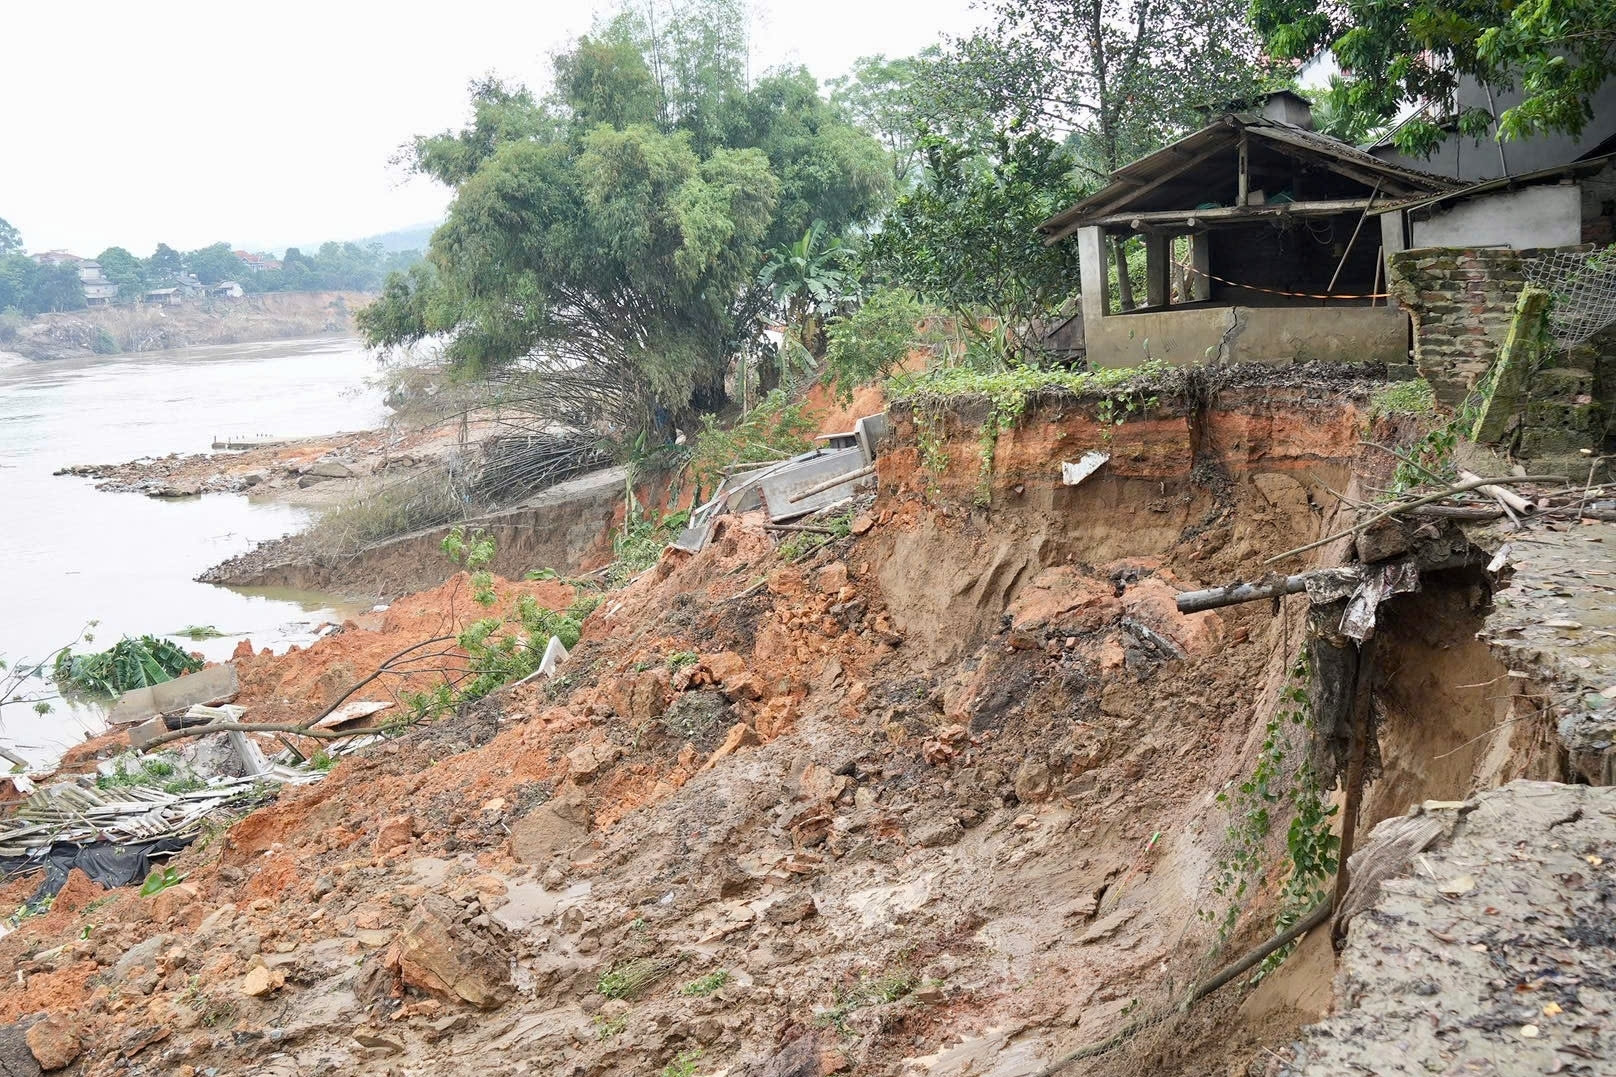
point(958, 794)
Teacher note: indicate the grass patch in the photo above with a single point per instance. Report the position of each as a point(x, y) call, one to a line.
point(683, 1064)
point(706, 985)
point(627, 979)
point(680, 659)
point(1403, 398)
point(888, 987)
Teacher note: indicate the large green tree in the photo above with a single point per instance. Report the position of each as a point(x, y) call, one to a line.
point(1399, 52)
point(602, 252)
point(1116, 78)
point(124, 270)
point(10, 238)
point(966, 238)
point(214, 263)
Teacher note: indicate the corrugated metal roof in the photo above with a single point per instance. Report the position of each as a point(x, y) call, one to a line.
point(1183, 156)
point(1583, 167)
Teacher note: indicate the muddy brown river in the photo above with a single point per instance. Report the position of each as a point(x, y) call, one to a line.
point(70, 554)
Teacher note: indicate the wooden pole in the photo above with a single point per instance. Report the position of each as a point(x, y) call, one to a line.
point(1348, 249)
point(1245, 173)
point(1232, 594)
point(831, 484)
point(1357, 755)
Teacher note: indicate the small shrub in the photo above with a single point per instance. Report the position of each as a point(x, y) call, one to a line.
point(160, 880)
point(680, 659)
point(683, 1065)
point(627, 979)
point(104, 343)
point(706, 985)
point(199, 632)
point(130, 663)
point(606, 1028)
point(773, 430)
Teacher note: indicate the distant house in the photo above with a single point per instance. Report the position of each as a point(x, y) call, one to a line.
point(98, 290)
point(256, 263)
point(172, 295)
point(56, 258)
point(225, 289)
point(168, 297)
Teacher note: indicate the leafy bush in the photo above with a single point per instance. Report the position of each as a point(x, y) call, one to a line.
point(130, 663)
point(872, 343)
point(705, 985)
point(773, 430)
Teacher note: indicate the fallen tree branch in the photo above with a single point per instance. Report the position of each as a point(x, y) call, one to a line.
point(248, 727)
point(1410, 461)
point(381, 670)
point(831, 484)
point(1397, 510)
point(799, 529)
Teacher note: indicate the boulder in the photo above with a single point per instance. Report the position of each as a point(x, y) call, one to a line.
point(331, 469)
point(544, 832)
point(395, 830)
point(437, 954)
point(1034, 782)
point(54, 1042)
point(740, 735)
point(262, 981)
point(16, 1057)
point(1381, 541)
point(586, 761)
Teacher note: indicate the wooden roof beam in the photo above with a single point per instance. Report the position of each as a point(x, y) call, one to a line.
point(1122, 196)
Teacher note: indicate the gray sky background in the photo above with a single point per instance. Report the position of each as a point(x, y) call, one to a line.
point(271, 124)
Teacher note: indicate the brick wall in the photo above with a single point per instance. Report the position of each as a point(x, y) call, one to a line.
point(1461, 301)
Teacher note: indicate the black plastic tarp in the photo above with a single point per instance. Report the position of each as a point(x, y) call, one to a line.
point(108, 863)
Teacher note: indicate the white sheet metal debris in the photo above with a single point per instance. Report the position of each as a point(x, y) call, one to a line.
point(779, 487)
point(1093, 460)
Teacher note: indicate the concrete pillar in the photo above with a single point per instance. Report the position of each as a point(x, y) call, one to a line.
point(1393, 238)
point(1201, 260)
point(1091, 255)
point(1158, 252)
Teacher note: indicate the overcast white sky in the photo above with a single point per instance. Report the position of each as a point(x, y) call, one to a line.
point(271, 123)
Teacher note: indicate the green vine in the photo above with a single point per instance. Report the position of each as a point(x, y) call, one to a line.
point(1311, 846)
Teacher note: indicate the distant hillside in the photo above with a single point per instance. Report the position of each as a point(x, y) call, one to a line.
point(414, 237)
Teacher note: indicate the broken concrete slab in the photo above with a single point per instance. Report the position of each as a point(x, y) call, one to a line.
point(1484, 955)
point(1092, 461)
point(806, 472)
point(211, 684)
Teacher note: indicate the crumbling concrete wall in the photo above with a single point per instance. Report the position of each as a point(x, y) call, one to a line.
point(1463, 301)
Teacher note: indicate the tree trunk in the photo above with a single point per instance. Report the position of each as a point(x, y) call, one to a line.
point(1124, 284)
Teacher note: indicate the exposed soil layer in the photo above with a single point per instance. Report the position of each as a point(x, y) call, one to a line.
point(937, 799)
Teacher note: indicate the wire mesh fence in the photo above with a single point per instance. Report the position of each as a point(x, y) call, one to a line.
point(1583, 284)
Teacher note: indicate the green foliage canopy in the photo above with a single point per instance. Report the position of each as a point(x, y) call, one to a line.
point(1557, 52)
point(603, 249)
point(966, 238)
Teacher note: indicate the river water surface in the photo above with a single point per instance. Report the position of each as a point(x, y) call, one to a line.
point(70, 554)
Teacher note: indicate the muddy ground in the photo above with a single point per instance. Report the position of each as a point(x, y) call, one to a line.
point(938, 798)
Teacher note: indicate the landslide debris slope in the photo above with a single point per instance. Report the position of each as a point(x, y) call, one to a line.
point(939, 797)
